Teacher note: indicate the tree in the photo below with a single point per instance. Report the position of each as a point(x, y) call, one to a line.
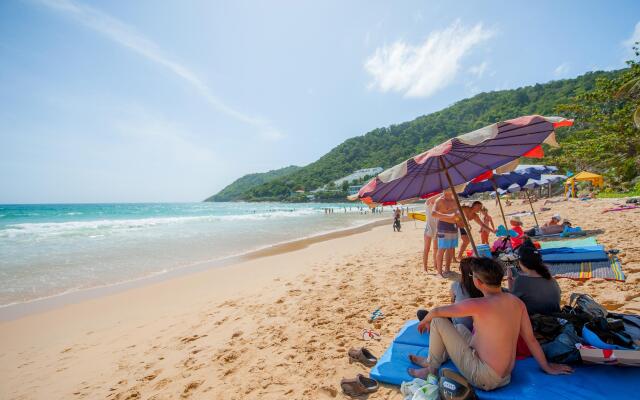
point(603, 138)
point(631, 88)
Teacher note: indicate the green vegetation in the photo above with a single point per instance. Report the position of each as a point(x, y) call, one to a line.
point(603, 139)
point(235, 190)
point(610, 194)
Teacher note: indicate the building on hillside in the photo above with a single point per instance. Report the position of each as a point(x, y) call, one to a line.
point(353, 190)
point(359, 174)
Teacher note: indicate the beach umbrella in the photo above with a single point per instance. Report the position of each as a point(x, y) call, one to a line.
point(509, 182)
point(462, 159)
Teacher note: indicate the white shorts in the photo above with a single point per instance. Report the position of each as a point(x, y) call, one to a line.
point(431, 229)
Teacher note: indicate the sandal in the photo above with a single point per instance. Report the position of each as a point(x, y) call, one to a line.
point(358, 386)
point(363, 356)
point(377, 314)
point(368, 334)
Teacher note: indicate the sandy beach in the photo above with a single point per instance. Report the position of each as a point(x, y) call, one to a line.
point(271, 327)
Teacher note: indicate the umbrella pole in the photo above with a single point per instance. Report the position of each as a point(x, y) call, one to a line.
point(464, 217)
point(532, 210)
point(504, 219)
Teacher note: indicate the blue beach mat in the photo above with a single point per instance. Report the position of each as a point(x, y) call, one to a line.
point(565, 250)
point(528, 381)
point(590, 241)
point(589, 255)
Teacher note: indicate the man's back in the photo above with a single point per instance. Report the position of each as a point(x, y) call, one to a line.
point(496, 330)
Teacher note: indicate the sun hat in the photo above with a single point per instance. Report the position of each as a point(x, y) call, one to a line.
point(556, 217)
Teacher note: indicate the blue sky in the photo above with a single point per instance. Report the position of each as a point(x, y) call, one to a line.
point(172, 100)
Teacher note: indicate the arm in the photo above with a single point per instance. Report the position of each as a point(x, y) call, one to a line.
point(482, 224)
point(437, 213)
point(526, 331)
point(510, 280)
point(465, 308)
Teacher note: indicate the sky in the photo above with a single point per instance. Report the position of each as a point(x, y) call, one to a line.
point(151, 101)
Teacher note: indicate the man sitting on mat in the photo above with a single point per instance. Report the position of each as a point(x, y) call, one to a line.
point(486, 357)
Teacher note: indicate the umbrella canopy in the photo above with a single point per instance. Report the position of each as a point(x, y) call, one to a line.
point(461, 159)
point(545, 179)
point(518, 177)
point(595, 179)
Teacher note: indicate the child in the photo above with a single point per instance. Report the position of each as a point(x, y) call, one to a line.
point(487, 220)
point(516, 225)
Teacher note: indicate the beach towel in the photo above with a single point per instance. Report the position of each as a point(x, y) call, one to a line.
point(621, 208)
point(585, 242)
point(610, 270)
point(528, 381)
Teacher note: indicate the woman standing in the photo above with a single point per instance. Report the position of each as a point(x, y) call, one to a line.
point(430, 232)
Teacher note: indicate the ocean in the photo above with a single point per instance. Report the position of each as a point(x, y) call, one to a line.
point(48, 250)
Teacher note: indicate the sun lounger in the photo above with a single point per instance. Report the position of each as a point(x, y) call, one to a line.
point(528, 381)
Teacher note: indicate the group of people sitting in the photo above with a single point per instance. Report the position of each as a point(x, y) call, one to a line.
point(498, 317)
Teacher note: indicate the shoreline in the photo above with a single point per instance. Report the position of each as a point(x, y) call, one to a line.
point(13, 311)
point(271, 327)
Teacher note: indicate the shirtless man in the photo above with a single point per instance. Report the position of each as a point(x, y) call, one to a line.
point(487, 357)
point(472, 214)
point(444, 210)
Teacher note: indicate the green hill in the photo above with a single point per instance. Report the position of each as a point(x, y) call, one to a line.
point(388, 146)
point(236, 190)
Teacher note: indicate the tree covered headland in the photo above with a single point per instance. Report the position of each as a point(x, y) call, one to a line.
point(603, 139)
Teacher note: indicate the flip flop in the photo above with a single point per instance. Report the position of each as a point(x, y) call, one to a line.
point(362, 355)
point(377, 314)
point(368, 334)
point(358, 386)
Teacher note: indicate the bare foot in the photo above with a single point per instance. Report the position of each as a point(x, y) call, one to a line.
point(421, 373)
point(420, 361)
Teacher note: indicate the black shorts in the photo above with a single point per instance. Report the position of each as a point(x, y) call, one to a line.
point(463, 231)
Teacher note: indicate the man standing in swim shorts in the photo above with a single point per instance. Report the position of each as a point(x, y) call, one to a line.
point(444, 210)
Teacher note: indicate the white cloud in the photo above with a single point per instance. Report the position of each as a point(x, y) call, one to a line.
point(631, 40)
point(561, 70)
point(422, 70)
point(164, 139)
point(479, 70)
point(126, 36)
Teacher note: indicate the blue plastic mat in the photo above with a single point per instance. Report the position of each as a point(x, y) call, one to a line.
point(564, 250)
point(591, 241)
point(598, 255)
point(598, 382)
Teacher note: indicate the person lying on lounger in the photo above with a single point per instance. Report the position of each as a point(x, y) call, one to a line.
point(555, 220)
point(487, 357)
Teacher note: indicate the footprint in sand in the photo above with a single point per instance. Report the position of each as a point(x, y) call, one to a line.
point(151, 376)
point(190, 339)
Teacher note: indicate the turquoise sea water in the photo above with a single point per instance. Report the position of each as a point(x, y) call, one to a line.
point(46, 250)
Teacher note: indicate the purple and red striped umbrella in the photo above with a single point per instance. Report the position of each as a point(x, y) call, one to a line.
point(464, 158)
